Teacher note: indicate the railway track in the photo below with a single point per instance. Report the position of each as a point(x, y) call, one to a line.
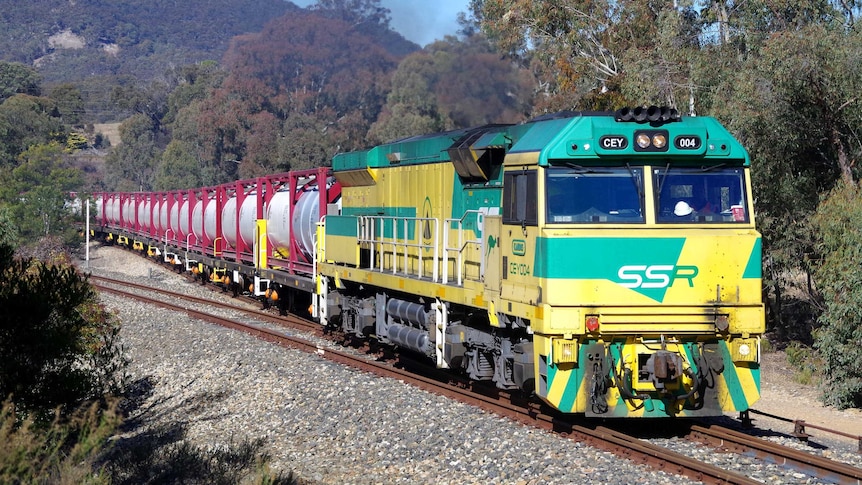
point(813, 465)
point(502, 403)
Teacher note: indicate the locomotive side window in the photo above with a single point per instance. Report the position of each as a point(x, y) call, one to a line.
point(711, 195)
point(520, 198)
point(595, 195)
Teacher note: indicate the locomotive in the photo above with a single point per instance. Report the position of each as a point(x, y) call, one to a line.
point(607, 262)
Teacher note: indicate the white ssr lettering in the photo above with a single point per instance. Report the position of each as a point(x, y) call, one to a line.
point(639, 276)
point(631, 276)
point(658, 280)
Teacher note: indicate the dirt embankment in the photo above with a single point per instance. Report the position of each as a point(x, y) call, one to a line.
point(781, 395)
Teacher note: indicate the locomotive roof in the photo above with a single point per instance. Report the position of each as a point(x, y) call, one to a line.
point(556, 136)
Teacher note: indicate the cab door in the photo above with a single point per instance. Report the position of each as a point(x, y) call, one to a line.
point(518, 237)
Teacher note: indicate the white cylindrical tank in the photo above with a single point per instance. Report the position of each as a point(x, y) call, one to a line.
point(228, 222)
point(164, 221)
point(100, 206)
point(305, 217)
point(210, 220)
point(174, 222)
point(144, 214)
point(198, 219)
point(247, 218)
point(156, 213)
point(184, 217)
point(278, 222)
point(114, 211)
point(128, 211)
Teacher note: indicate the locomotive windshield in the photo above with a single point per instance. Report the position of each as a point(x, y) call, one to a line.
point(710, 194)
point(595, 195)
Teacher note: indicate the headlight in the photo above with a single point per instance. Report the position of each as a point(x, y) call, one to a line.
point(643, 140)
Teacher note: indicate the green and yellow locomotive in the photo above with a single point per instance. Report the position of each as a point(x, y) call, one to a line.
point(607, 261)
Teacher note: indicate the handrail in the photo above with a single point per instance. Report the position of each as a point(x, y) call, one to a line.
point(462, 245)
point(188, 244)
point(371, 231)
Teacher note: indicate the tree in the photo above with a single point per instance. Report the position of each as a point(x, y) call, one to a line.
point(8, 231)
point(58, 344)
point(37, 190)
point(795, 106)
point(839, 279)
point(582, 47)
point(179, 168)
point(131, 165)
point(193, 83)
point(16, 78)
point(70, 103)
point(368, 17)
point(303, 72)
point(28, 120)
point(453, 84)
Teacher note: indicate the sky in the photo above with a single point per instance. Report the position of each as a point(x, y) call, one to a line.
point(420, 21)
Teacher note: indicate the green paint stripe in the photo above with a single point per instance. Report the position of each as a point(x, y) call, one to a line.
point(731, 380)
point(601, 257)
point(406, 212)
point(754, 268)
point(379, 211)
point(570, 394)
point(755, 374)
point(551, 373)
point(341, 226)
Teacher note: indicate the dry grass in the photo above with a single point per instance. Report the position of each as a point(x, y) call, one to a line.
point(110, 130)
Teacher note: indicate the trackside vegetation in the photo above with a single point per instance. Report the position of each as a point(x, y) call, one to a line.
point(66, 393)
point(839, 273)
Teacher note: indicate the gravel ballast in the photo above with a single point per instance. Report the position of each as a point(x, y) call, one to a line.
point(332, 424)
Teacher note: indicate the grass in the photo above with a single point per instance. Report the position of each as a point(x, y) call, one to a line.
point(95, 445)
point(806, 363)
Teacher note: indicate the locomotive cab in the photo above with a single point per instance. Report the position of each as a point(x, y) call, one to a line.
point(644, 260)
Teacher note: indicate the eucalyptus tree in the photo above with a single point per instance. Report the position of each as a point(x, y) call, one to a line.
point(453, 83)
point(597, 53)
point(132, 164)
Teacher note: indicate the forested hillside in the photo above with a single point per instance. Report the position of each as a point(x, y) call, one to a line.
point(97, 44)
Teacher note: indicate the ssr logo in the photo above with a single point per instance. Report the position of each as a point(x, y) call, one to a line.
point(655, 276)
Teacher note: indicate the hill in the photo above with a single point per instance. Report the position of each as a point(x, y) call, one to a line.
point(96, 44)
point(99, 44)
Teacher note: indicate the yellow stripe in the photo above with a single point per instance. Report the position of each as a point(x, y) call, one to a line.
point(558, 387)
point(749, 386)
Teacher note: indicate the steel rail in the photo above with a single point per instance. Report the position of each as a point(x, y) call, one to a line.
point(291, 321)
point(833, 471)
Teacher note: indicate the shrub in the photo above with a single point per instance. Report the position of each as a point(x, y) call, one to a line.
point(58, 345)
point(838, 276)
point(806, 362)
